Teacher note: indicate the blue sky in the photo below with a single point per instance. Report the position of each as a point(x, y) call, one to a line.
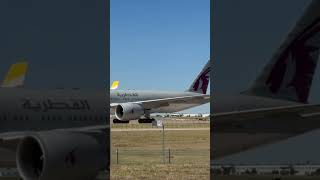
point(160, 45)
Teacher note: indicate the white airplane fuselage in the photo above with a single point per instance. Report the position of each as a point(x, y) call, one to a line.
point(34, 110)
point(127, 96)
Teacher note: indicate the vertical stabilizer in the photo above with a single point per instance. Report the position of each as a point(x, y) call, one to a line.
point(290, 72)
point(114, 85)
point(16, 75)
point(200, 84)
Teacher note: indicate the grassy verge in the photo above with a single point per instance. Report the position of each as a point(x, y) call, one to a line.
point(140, 155)
point(159, 172)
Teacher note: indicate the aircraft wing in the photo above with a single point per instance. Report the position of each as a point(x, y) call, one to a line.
point(158, 103)
point(238, 131)
point(303, 110)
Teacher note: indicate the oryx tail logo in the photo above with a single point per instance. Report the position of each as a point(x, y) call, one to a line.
point(296, 65)
point(202, 81)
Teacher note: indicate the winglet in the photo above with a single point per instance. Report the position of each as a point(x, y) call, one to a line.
point(16, 75)
point(115, 85)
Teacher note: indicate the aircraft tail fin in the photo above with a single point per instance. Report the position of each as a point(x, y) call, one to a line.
point(16, 75)
point(114, 85)
point(200, 84)
point(290, 72)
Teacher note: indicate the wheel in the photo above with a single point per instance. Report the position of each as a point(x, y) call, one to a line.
point(117, 121)
point(146, 120)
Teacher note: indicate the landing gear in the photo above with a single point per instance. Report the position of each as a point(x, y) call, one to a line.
point(146, 120)
point(117, 121)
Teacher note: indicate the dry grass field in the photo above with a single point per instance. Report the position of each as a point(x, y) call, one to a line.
point(140, 154)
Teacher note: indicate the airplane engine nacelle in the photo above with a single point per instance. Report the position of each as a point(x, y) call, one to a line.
point(61, 155)
point(129, 111)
